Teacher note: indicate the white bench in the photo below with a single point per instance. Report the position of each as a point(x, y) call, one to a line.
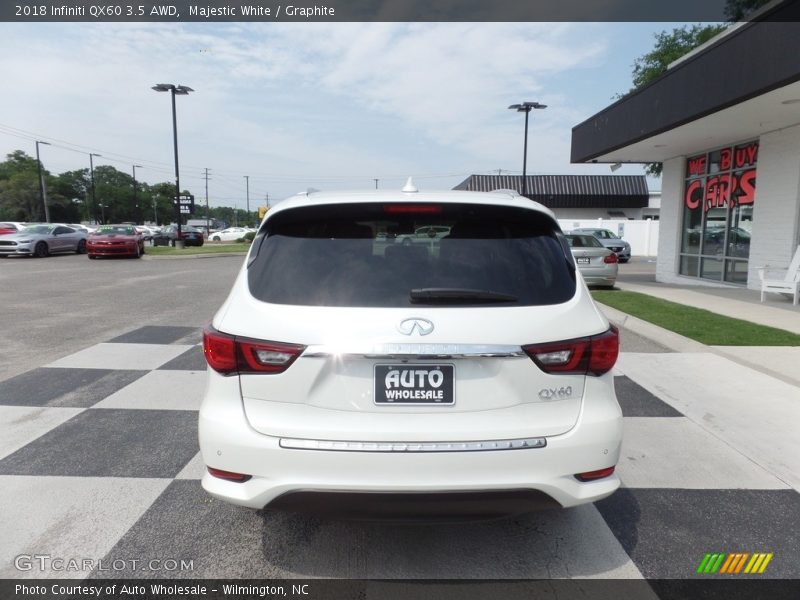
point(782, 281)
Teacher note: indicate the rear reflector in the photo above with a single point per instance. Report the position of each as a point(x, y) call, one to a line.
point(593, 355)
point(228, 475)
point(592, 475)
point(232, 355)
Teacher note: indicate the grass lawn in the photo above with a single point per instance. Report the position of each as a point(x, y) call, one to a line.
point(701, 325)
point(209, 248)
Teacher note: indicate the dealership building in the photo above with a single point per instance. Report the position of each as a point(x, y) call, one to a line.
point(725, 123)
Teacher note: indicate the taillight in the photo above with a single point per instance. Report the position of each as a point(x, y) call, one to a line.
point(611, 259)
point(593, 355)
point(232, 355)
point(220, 351)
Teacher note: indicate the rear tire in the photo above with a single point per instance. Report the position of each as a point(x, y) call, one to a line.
point(81, 249)
point(216, 238)
point(41, 250)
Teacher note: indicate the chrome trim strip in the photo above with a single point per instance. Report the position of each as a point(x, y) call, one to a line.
point(477, 446)
point(401, 351)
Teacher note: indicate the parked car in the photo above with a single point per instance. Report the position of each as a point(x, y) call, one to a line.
point(610, 240)
point(12, 227)
point(146, 232)
point(382, 380)
point(597, 264)
point(423, 234)
point(42, 240)
point(115, 240)
point(191, 236)
point(230, 234)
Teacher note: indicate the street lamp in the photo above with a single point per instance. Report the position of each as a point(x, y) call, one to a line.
point(137, 212)
point(526, 107)
point(41, 182)
point(180, 90)
point(94, 199)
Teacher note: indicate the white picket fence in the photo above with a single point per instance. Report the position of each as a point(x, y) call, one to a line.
point(641, 235)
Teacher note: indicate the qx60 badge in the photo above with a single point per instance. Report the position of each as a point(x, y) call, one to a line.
point(409, 326)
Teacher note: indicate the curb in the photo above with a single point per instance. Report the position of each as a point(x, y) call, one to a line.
point(679, 343)
point(205, 255)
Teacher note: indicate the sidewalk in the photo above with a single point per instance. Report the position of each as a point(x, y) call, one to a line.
point(738, 303)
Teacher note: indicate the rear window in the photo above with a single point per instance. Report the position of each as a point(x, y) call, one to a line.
point(402, 255)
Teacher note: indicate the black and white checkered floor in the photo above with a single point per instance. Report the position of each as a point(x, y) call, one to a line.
point(99, 459)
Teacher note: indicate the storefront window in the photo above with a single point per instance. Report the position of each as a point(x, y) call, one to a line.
point(719, 193)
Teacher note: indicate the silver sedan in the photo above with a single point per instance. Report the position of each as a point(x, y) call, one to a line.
point(42, 240)
point(597, 264)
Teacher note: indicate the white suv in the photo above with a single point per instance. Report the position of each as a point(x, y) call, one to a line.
point(468, 376)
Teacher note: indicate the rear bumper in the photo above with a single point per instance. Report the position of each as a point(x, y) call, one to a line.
point(227, 442)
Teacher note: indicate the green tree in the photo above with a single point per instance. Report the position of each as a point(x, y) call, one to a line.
point(19, 188)
point(737, 10)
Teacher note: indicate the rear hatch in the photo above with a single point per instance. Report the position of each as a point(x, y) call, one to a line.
point(437, 340)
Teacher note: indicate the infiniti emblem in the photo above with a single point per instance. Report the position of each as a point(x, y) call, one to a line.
point(408, 326)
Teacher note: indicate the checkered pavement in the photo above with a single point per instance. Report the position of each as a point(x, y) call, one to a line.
point(99, 459)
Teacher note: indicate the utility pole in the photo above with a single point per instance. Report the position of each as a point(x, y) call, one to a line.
point(376, 184)
point(41, 182)
point(247, 178)
point(208, 210)
point(94, 198)
point(136, 212)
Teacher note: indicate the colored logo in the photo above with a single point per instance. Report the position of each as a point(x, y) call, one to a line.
point(735, 563)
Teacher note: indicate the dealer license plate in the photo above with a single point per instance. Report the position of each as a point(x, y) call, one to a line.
point(415, 384)
point(583, 260)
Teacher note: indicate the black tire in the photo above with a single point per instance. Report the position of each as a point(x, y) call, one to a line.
point(138, 252)
point(81, 249)
point(142, 248)
point(216, 238)
point(172, 243)
point(92, 257)
point(41, 250)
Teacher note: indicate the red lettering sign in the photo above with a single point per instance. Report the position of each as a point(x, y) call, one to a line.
point(694, 194)
point(725, 156)
point(747, 187)
point(746, 156)
point(697, 165)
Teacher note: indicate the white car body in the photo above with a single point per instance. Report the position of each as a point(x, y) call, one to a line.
point(231, 234)
point(323, 425)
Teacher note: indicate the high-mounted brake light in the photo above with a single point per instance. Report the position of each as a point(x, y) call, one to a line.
point(232, 355)
point(412, 209)
point(593, 355)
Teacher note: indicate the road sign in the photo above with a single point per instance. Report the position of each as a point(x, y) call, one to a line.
point(186, 203)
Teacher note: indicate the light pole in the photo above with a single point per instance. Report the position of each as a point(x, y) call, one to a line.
point(41, 182)
point(247, 179)
point(180, 90)
point(526, 107)
point(136, 211)
point(94, 199)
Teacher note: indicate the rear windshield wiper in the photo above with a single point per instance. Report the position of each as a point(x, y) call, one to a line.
point(457, 296)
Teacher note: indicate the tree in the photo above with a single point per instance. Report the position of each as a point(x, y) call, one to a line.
point(670, 46)
point(738, 10)
point(19, 188)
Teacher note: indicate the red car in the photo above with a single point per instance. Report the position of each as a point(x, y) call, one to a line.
point(115, 240)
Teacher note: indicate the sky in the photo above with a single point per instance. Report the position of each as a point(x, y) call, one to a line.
point(311, 105)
